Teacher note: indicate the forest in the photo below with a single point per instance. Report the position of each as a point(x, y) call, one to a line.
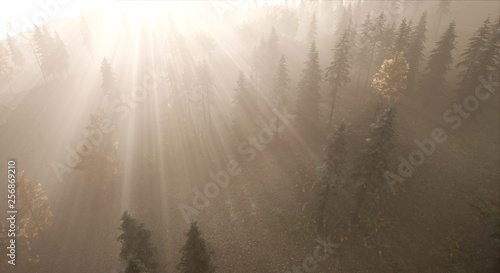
point(250, 136)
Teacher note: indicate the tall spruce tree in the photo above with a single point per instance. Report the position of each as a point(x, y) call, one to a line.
point(374, 160)
point(137, 249)
point(470, 65)
point(402, 40)
point(281, 88)
point(331, 173)
point(439, 62)
point(309, 97)
point(443, 9)
point(415, 54)
point(196, 257)
point(386, 43)
point(337, 74)
point(312, 31)
point(205, 85)
point(366, 42)
point(245, 108)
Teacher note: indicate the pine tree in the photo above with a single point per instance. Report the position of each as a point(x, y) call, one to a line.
point(374, 161)
point(205, 85)
point(99, 160)
point(137, 249)
point(309, 97)
point(439, 62)
point(391, 79)
point(16, 54)
point(245, 108)
point(366, 41)
point(331, 172)
point(108, 78)
point(281, 87)
point(415, 53)
point(312, 31)
point(337, 74)
point(386, 43)
point(43, 51)
point(402, 37)
point(470, 64)
point(196, 258)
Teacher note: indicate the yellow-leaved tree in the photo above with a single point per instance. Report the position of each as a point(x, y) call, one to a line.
point(391, 78)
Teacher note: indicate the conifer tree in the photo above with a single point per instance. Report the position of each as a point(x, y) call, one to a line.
point(331, 172)
point(309, 97)
point(245, 108)
point(205, 85)
point(391, 79)
point(281, 87)
point(374, 160)
point(415, 53)
point(365, 41)
point(43, 50)
point(137, 249)
point(386, 43)
point(439, 62)
point(337, 74)
point(196, 257)
point(15, 53)
point(470, 65)
point(312, 31)
point(402, 37)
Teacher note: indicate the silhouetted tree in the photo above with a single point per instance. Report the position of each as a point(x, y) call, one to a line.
point(386, 43)
point(402, 40)
point(415, 54)
point(439, 62)
point(312, 31)
point(309, 97)
point(137, 249)
point(337, 74)
point(196, 258)
point(470, 65)
point(374, 159)
point(245, 108)
point(281, 87)
point(205, 86)
point(332, 172)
